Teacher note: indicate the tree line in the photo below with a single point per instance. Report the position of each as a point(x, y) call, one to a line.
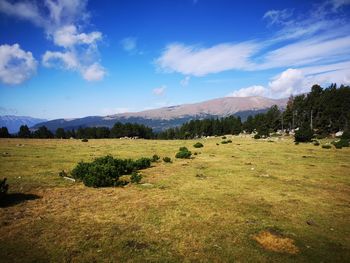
point(323, 111)
point(117, 131)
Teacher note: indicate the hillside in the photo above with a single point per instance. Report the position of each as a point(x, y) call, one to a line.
point(167, 117)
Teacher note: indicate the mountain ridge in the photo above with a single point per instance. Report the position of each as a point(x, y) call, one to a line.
point(171, 116)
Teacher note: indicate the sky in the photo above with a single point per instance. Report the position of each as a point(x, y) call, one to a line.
point(76, 58)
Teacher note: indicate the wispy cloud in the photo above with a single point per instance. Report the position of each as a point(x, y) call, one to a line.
point(184, 82)
point(159, 91)
point(198, 61)
point(129, 44)
point(63, 22)
point(16, 65)
point(255, 90)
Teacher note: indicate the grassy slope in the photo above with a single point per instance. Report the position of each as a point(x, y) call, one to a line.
point(179, 217)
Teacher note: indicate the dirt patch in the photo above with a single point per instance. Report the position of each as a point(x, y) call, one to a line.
point(276, 242)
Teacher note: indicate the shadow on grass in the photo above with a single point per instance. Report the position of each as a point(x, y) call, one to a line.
point(16, 198)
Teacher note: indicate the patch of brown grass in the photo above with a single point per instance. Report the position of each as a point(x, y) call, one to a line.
point(276, 243)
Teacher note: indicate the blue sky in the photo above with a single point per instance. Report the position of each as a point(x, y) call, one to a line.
point(74, 58)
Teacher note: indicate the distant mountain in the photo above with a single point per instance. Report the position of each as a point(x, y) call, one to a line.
point(167, 117)
point(14, 122)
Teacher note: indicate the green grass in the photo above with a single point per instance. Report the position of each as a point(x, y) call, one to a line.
point(242, 188)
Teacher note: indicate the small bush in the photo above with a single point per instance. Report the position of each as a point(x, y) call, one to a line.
point(224, 142)
point(326, 146)
point(198, 145)
point(3, 188)
point(142, 163)
point(346, 135)
point(195, 153)
point(155, 158)
point(257, 137)
point(105, 171)
point(316, 143)
point(217, 144)
point(341, 143)
point(84, 140)
point(183, 153)
point(304, 134)
point(229, 141)
point(167, 159)
point(223, 137)
point(135, 178)
point(183, 149)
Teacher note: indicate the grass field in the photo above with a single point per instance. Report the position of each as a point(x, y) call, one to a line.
point(248, 201)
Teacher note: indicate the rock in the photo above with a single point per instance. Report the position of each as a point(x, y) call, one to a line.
point(310, 222)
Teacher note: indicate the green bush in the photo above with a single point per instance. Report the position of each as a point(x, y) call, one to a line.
point(316, 143)
point(346, 135)
point(183, 153)
point(198, 145)
point(105, 171)
point(135, 178)
point(223, 137)
point(304, 134)
point(155, 158)
point(3, 188)
point(224, 142)
point(183, 149)
point(84, 140)
point(326, 146)
point(229, 141)
point(167, 159)
point(142, 163)
point(257, 136)
point(341, 143)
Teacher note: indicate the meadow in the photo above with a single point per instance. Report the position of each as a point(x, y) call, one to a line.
point(246, 201)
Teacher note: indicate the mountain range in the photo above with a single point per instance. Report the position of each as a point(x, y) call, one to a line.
point(166, 117)
point(14, 122)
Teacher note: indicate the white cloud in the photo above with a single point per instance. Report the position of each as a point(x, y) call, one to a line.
point(63, 22)
point(307, 52)
point(68, 36)
point(65, 60)
point(159, 91)
point(290, 81)
point(190, 60)
point(278, 16)
point(255, 90)
point(94, 72)
point(16, 65)
point(129, 43)
point(184, 82)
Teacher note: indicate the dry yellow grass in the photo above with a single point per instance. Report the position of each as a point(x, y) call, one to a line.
point(242, 189)
point(276, 243)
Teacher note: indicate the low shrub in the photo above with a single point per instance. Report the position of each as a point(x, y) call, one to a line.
point(304, 134)
point(257, 136)
point(346, 135)
point(198, 145)
point(167, 159)
point(155, 158)
point(183, 153)
point(142, 163)
point(84, 140)
point(224, 142)
point(195, 153)
point(326, 146)
point(105, 171)
point(223, 137)
point(229, 141)
point(135, 178)
point(316, 143)
point(3, 188)
point(183, 149)
point(341, 143)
